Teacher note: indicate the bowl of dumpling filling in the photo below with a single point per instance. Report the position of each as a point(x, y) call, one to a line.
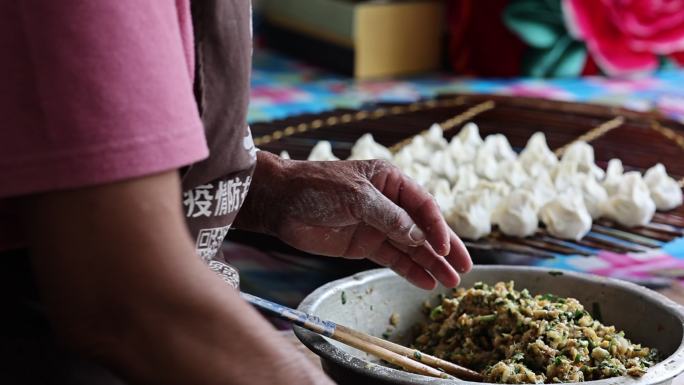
point(513, 325)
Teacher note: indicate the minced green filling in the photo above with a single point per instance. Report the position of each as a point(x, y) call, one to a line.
point(513, 337)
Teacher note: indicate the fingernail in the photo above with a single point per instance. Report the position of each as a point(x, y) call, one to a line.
point(416, 234)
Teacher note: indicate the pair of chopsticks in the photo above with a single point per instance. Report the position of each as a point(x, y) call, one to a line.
point(409, 359)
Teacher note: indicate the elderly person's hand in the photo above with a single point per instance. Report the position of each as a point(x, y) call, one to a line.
point(355, 209)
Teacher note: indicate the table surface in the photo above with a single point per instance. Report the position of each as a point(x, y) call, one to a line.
point(676, 294)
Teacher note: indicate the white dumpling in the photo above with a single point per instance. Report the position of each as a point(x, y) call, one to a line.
point(466, 179)
point(420, 150)
point(537, 154)
point(367, 148)
point(614, 173)
point(441, 191)
point(419, 173)
point(442, 164)
point(403, 159)
point(536, 169)
point(486, 164)
point(492, 192)
point(632, 204)
point(582, 154)
point(322, 151)
point(513, 173)
point(285, 155)
point(516, 214)
point(469, 135)
point(541, 188)
point(500, 147)
point(460, 153)
point(594, 195)
point(470, 216)
point(665, 191)
point(566, 176)
point(434, 137)
point(569, 180)
point(566, 217)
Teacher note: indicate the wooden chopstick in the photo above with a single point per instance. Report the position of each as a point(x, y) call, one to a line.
point(407, 363)
point(435, 362)
point(409, 359)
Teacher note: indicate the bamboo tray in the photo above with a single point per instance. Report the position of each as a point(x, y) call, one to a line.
point(640, 140)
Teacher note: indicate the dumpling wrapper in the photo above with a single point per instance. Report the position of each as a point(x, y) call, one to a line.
point(420, 149)
point(566, 176)
point(322, 151)
point(516, 214)
point(442, 164)
point(541, 188)
point(499, 147)
point(470, 216)
point(566, 217)
point(434, 137)
point(614, 173)
point(537, 154)
point(419, 173)
point(594, 195)
point(492, 192)
point(469, 135)
point(665, 191)
point(632, 204)
point(513, 173)
point(461, 153)
point(582, 154)
point(366, 148)
point(466, 179)
point(486, 164)
point(403, 159)
point(570, 180)
point(441, 191)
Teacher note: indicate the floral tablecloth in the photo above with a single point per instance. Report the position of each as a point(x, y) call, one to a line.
point(282, 88)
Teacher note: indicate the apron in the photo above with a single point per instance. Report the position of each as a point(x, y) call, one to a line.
point(216, 187)
point(214, 190)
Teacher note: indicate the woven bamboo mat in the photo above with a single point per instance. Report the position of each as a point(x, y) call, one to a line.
point(640, 140)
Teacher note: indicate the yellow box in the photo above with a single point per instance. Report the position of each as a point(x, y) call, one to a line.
point(386, 39)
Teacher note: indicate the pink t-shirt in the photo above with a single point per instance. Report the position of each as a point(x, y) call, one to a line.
point(93, 92)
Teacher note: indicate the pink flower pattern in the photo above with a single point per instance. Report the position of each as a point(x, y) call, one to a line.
point(627, 37)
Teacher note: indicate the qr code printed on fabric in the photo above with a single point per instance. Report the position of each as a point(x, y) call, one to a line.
point(209, 241)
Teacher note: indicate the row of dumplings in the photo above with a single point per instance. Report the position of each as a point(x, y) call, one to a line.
point(480, 183)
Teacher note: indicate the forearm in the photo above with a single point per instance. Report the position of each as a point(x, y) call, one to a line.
point(218, 339)
point(123, 285)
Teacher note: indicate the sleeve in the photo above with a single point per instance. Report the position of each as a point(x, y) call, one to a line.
point(102, 91)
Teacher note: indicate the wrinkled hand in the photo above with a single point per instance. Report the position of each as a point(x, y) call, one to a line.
point(357, 209)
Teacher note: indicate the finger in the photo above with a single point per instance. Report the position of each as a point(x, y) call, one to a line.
point(419, 205)
point(389, 256)
point(436, 265)
point(390, 219)
point(399, 246)
point(458, 256)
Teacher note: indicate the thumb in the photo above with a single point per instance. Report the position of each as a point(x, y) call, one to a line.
point(392, 220)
